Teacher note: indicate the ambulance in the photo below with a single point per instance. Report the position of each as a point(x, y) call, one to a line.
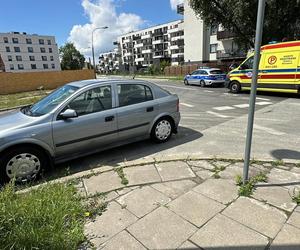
point(279, 70)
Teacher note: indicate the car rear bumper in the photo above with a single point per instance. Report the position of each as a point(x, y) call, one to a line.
point(176, 116)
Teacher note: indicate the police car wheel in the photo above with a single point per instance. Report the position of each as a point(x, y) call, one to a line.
point(186, 82)
point(235, 87)
point(202, 84)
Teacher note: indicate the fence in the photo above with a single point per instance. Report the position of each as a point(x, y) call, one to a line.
point(28, 81)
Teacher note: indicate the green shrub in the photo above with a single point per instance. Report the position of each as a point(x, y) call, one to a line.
point(50, 217)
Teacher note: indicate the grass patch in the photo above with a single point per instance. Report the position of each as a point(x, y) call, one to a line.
point(296, 197)
point(248, 188)
point(49, 217)
point(121, 174)
point(277, 163)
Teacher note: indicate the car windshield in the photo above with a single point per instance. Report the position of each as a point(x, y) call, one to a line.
point(51, 101)
point(216, 72)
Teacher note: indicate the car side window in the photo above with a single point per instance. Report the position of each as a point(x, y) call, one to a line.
point(195, 72)
point(93, 100)
point(133, 93)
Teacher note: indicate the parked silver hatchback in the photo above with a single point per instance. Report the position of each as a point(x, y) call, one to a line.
point(81, 118)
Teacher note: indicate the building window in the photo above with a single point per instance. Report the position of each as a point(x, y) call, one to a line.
point(51, 58)
point(33, 66)
point(53, 66)
point(49, 42)
point(50, 50)
point(45, 66)
point(213, 48)
point(17, 49)
point(19, 58)
point(31, 58)
point(44, 58)
point(28, 41)
point(5, 39)
point(213, 29)
point(7, 49)
point(43, 50)
point(15, 40)
point(11, 67)
point(41, 41)
point(30, 49)
point(9, 58)
point(20, 66)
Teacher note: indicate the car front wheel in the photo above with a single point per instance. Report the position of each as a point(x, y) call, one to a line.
point(202, 84)
point(235, 87)
point(162, 130)
point(186, 82)
point(22, 163)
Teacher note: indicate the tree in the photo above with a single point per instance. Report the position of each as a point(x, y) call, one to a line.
point(282, 19)
point(71, 59)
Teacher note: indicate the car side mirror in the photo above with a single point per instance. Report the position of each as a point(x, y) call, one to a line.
point(68, 113)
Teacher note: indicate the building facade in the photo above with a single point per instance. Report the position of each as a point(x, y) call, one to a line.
point(150, 46)
point(21, 52)
point(109, 61)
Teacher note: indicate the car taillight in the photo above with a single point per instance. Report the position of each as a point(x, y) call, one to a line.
point(178, 105)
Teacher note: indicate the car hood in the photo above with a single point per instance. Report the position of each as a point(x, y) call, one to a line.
point(14, 119)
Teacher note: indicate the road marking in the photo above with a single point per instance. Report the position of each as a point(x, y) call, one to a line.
point(263, 103)
point(223, 108)
point(268, 130)
point(175, 87)
point(246, 105)
point(187, 105)
point(208, 91)
point(217, 114)
point(263, 99)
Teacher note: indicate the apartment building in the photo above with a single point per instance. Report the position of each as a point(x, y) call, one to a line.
point(21, 52)
point(152, 45)
point(109, 61)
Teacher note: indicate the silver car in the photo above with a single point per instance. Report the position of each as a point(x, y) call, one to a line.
point(81, 118)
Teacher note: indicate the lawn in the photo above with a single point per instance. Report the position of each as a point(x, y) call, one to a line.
point(21, 99)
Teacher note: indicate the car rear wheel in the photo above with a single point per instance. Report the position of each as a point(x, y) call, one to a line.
point(202, 83)
point(162, 130)
point(22, 163)
point(235, 87)
point(186, 82)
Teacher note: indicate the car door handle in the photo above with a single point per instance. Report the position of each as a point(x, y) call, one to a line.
point(150, 109)
point(109, 118)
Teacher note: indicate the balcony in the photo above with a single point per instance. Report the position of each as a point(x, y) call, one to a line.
point(146, 36)
point(230, 54)
point(174, 47)
point(175, 38)
point(158, 41)
point(158, 56)
point(139, 45)
point(128, 54)
point(177, 55)
point(146, 51)
point(141, 59)
point(180, 9)
point(128, 40)
point(225, 35)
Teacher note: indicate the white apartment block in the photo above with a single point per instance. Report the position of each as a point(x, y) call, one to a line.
point(152, 45)
point(21, 52)
point(109, 61)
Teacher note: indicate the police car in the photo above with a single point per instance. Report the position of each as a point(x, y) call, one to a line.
point(206, 77)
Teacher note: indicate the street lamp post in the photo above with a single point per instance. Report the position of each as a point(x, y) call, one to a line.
point(98, 28)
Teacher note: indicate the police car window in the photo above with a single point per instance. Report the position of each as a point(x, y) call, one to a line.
point(195, 72)
point(248, 64)
point(203, 72)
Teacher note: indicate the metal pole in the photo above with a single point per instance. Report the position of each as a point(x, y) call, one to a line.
point(258, 39)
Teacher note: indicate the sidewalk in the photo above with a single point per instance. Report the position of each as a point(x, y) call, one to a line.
point(192, 204)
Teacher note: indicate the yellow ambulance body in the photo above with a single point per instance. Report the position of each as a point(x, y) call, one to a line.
point(279, 70)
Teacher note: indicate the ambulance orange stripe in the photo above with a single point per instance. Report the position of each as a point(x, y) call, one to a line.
point(281, 45)
point(291, 76)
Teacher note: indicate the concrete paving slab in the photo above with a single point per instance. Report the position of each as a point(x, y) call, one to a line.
point(294, 219)
point(162, 229)
point(237, 169)
point(123, 241)
point(143, 200)
point(174, 171)
point(256, 215)
point(224, 233)
point(297, 209)
point(221, 190)
point(276, 196)
point(173, 189)
point(111, 222)
point(221, 163)
point(142, 175)
point(287, 239)
point(124, 191)
point(187, 245)
point(204, 174)
point(282, 176)
point(195, 208)
point(103, 183)
point(295, 170)
point(201, 164)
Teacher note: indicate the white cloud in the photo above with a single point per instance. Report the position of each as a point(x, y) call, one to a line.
point(102, 13)
point(174, 3)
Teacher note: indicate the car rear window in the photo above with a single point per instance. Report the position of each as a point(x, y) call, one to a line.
point(216, 72)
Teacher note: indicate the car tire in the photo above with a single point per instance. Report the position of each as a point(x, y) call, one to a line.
point(162, 130)
point(235, 87)
point(32, 160)
point(202, 83)
point(186, 82)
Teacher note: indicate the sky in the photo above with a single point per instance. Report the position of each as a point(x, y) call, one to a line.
point(74, 20)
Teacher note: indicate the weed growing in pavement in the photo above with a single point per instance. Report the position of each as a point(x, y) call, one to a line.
point(248, 188)
point(121, 174)
point(277, 163)
point(296, 197)
point(217, 170)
